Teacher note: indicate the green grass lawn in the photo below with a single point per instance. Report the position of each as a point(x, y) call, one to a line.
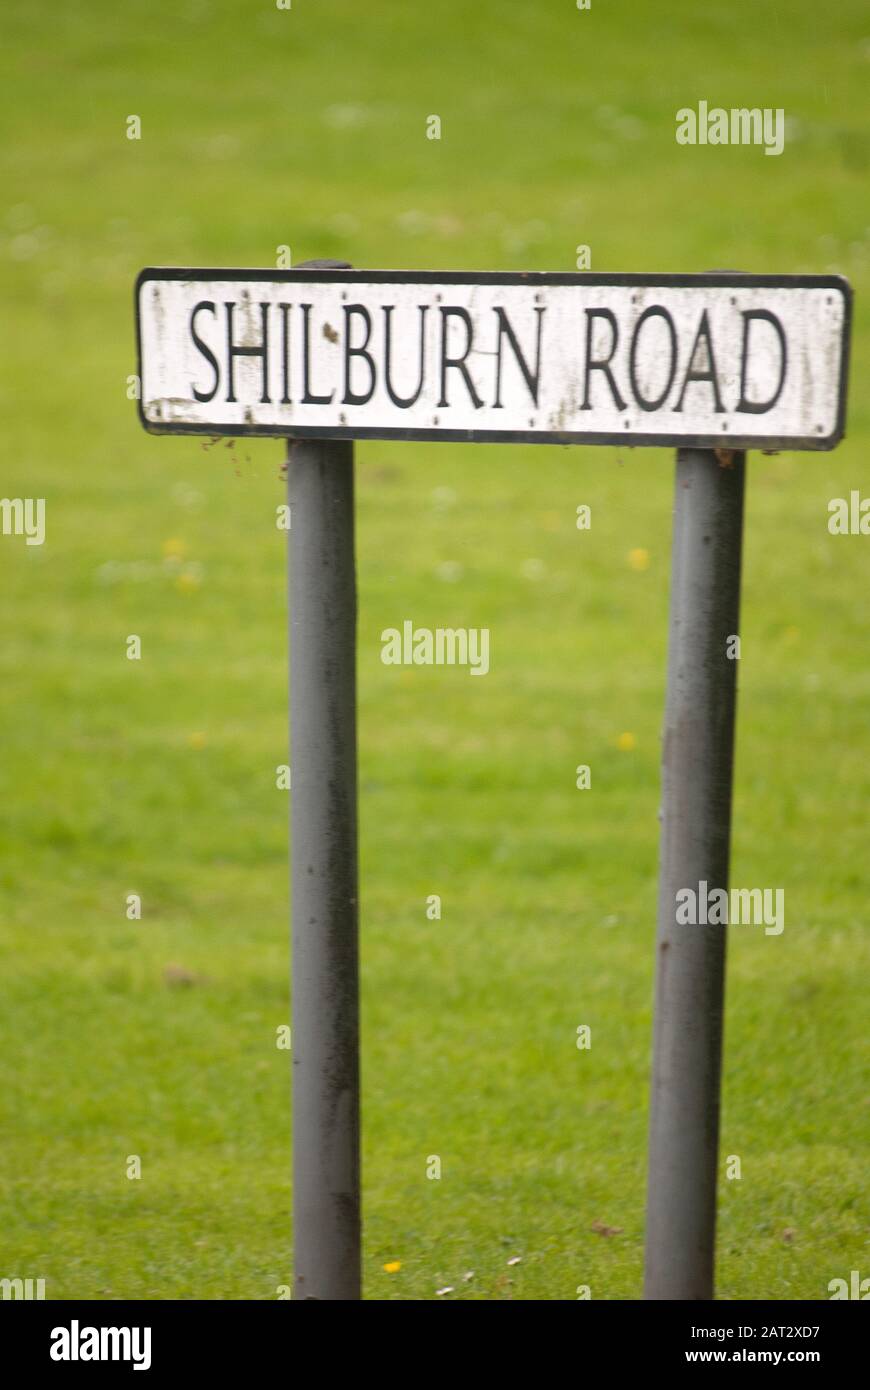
point(156, 1038)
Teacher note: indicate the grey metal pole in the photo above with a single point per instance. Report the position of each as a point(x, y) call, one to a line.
point(697, 766)
point(325, 1037)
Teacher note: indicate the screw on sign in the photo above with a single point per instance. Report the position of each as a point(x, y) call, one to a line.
point(713, 364)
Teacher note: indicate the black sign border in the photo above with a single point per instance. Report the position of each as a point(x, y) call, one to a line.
point(717, 280)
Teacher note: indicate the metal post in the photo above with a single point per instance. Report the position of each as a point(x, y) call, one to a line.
point(697, 765)
point(325, 1037)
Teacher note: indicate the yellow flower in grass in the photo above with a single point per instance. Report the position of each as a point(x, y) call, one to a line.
point(393, 1267)
point(187, 581)
point(626, 742)
point(639, 559)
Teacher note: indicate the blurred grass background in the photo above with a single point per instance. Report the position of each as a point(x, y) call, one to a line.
point(306, 127)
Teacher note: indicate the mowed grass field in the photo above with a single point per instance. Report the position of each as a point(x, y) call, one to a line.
point(157, 1038)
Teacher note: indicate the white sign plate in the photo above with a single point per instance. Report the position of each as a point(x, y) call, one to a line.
point(706, 360)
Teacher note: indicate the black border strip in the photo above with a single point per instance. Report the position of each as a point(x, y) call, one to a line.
point(715, 280)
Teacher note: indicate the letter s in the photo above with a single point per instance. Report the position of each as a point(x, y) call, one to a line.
point(206, 352)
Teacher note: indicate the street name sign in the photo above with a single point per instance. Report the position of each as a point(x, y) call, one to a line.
point(712, 364)
point(744, 361)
